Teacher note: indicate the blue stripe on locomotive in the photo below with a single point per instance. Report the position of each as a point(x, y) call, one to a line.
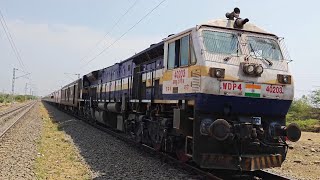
point(239, 105)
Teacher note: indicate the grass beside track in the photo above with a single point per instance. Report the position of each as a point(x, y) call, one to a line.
point(57, 157)
point(309, 125)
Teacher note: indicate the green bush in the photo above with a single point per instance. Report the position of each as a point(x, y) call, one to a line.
point(300, 109)
point(1, 99)
point(305, 113)
point(6, 98)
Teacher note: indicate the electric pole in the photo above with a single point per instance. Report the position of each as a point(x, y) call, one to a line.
point(13, 81)
point(25, 91)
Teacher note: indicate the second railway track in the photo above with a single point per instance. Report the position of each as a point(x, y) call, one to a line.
point(10, 117)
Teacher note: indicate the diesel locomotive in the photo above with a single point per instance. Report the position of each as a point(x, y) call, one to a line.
point(216, 94)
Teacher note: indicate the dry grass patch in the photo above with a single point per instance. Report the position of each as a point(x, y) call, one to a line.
point(57, 157)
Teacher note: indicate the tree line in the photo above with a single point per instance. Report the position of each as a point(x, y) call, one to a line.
point(305, 111)
point(7, 98)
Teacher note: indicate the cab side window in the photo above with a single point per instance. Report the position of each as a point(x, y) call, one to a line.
point(184, 51)
point(171, 55)
point(180, 53)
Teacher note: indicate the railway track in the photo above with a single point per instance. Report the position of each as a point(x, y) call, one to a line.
point(203, 173)
point(10, 117)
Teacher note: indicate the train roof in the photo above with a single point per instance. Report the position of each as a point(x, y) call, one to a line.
point(72, 83)
point(155, 50)
point(92, 76)
point(228, 24)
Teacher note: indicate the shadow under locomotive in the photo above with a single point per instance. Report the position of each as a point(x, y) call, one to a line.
point(107, 161)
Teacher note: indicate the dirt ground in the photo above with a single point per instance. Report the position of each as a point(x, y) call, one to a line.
point(4, 106)
point(303, 159)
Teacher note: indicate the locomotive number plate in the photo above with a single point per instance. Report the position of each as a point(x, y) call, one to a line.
point(231, 88)
point(273, 91)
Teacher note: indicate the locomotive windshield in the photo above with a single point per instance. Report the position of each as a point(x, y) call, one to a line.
point(264, 48)
point(220, 42)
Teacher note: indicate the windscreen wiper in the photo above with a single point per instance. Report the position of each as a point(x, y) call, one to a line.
point(238, 49)
point(251, 48)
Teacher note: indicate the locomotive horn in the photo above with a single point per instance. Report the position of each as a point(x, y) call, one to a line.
point(293, 132)
point(239, 23)
point(234, 14)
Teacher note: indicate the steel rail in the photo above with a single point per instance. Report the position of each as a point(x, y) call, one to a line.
point(9, 111)
point(25, 109)
point(206, 174)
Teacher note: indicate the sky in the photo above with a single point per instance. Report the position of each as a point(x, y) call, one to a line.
point(57, 38)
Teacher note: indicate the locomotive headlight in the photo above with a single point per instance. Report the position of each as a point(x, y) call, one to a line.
point(258, 70)
point(284, 79)
point(248, 69)
point(217, 72)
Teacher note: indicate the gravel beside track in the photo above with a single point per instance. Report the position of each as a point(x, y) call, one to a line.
point(18, 147)
point(111, 158)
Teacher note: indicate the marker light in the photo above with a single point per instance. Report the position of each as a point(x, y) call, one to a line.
point(217, 72)
point(284, 79)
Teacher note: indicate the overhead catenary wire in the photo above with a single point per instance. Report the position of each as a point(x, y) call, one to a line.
point(11, 41)
point(7, 33)
point(116, 40)
point(111, 29)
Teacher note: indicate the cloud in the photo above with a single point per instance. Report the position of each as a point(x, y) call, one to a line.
point(50, 50)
